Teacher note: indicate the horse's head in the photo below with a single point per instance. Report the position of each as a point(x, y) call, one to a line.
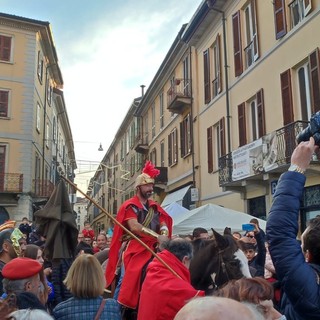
point(217, 261)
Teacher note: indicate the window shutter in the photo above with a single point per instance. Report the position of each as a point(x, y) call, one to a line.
point(182, 137)
point(175, 146)
point(170, 156)
point(4, 101)
point(242, 124)
point(5, 48)
point(286, 93)
point(206, 73)
point(280, 18)
point(222, 136)
point(237, 47)
point(315, 80)
point(218, 63)
point(260, 110)
point(210, 149)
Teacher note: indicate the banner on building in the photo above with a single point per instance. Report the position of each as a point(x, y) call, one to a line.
point(255, 158)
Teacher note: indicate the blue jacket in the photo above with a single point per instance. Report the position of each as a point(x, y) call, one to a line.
point(301, 298)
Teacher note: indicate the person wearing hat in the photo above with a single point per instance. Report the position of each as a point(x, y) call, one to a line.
point(146, 219)
point(9, 245)
point(21, 277)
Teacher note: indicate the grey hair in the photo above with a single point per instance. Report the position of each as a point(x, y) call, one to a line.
point(15, 286)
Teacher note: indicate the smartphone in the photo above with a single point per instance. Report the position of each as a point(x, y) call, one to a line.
point(248, 227)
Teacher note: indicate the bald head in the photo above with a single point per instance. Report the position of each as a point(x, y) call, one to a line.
point(214, 308)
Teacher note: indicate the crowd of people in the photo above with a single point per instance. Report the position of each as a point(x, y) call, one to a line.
point(142, 271)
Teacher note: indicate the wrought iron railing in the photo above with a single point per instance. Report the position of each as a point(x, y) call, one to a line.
point(42, 188)
point(180, 88)
point(11, 182)
point(286, 143)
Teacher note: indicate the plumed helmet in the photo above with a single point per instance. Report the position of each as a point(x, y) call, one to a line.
point(148, 174)
point(10, 233)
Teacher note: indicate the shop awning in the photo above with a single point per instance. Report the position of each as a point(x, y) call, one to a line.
point(176, 196)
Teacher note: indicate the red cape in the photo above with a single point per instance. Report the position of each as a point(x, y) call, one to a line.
point(163, 294)
point(136, 256)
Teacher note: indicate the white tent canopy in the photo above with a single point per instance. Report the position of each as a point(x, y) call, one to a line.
point(208, 216)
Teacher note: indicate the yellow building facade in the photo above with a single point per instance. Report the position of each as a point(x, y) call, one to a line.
point(36, 143)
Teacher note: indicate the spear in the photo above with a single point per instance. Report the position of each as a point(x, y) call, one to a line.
point(115, 221)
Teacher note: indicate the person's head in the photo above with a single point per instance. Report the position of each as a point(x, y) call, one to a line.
point(214, 308)
point(85, 278)
point(22, 275)
point(109, 239)
point(88, 240)
point(249, 250)
point(200, 233)
point(101, 241)
point(34, 252)
point(25, 220)
point(145, 181)
point(80, 237)
point(310, 241)
point(255, 221)
point(9, 242)
point(182, 249)
point(255, 290)
point(83, 248)
point(86, 225)
point(237, 235)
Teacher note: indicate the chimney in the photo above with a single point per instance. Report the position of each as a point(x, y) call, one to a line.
point(142, 89)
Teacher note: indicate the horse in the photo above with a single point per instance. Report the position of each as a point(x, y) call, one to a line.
point(217, 261)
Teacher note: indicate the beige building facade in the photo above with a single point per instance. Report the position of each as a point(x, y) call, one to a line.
point(221, 116)
point(36, 145)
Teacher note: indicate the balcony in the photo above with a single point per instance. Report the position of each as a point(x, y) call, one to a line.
point(268, 155)
point(179, 96)
point(42, 188)
point(141, 144)
point(161, 180)
point(11, 182)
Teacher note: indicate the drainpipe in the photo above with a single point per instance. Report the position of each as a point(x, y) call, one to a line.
point(210, 5)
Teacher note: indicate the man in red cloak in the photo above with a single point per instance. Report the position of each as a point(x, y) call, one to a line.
point(147, 220)
point(163, 293)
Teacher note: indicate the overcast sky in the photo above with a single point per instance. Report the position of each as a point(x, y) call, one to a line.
point(106, 50)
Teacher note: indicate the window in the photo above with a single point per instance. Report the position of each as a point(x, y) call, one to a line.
point(4, 103)
point(173, 147)
point(216, 145)
point(3, 149)
point(251, 50)
point(146, 129)
point(298, 10)
point(153, 156)
point(127, 141)
point(5, 48)
point(122, 149)
point(251, 116)
point(162, 153)
point(304, 91)
point(185, 135)
point(132, 133)
point(40, 66)
point(280, 18)
point(216, 82)
point(286, 95)
point(161, 110)
point(132, 165)
point(49, 93)
point(206, 74)
point(38, 118)
point(153, 117)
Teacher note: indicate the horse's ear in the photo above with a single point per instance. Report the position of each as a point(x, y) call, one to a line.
point(226, 231)
point(220, 239)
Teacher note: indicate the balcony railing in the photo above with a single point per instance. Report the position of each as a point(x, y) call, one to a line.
point(260, 156)
point(11, 182)
point(42, 188)
point(179, 95)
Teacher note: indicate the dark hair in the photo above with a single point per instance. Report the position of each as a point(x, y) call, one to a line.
point(197, 231)
point(254, 220)
point(180, 248)
point(31, 251)
point(85, 247)
point(311, 240)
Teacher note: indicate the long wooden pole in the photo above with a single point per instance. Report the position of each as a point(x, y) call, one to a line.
point(120, 225)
